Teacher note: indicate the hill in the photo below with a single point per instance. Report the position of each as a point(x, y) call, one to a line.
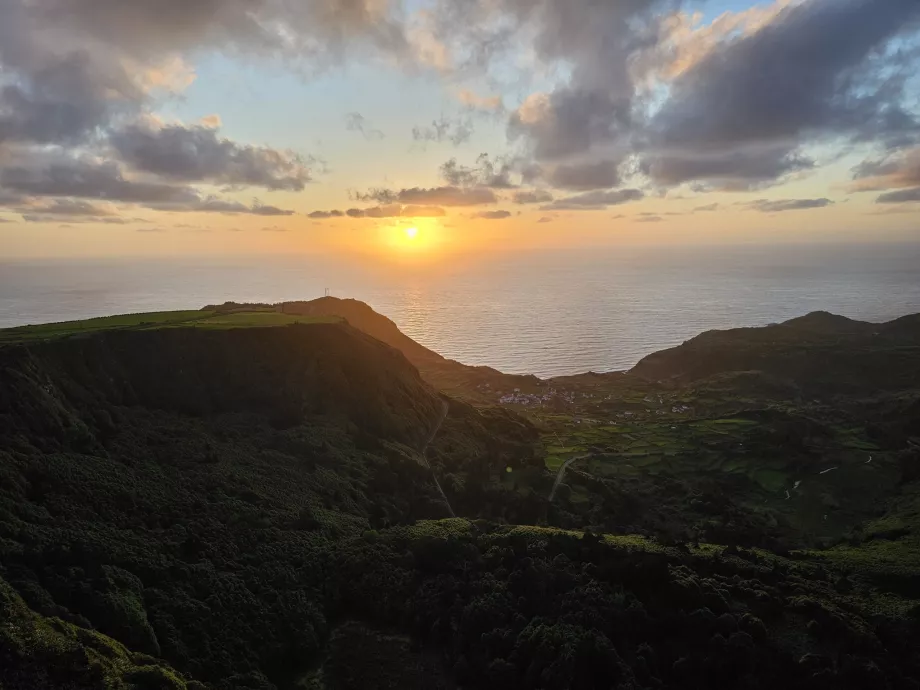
point(460, 380)
point(235, 506)
point(820, 353)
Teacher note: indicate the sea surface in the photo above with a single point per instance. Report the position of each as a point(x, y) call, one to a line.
point(543, 312)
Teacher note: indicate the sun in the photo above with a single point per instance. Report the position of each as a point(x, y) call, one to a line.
point(411, 233)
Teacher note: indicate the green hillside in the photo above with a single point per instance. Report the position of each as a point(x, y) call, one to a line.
point(158, 320)
point(190, 500)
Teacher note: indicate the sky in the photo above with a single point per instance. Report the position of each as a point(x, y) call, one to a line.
point(429, 128)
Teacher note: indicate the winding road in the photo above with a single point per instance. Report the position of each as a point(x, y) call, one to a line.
point(424, 452)
point(562, 470)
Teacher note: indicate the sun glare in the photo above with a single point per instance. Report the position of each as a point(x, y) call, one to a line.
point(411, 233)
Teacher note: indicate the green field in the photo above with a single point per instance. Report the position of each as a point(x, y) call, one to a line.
point(157, 320)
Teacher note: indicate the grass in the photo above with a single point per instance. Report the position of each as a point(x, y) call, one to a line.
point(156, 320)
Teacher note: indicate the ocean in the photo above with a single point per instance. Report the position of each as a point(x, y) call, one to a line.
point(548, 313)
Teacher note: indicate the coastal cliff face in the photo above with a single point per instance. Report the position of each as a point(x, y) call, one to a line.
point(286, 375)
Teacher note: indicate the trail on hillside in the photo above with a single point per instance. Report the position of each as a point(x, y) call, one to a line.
point(561, 473)
point(424, 452)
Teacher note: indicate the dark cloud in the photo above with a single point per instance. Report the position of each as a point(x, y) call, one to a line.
point(356, 122)
point(805, 72)
point(316, 31)
point(532, 196)
point(742, 105)
point(61, 100)
point(730, 170)
point(776, 206)
point(199, 154)
point(494, 175)
point(546, 219)
point(88, 179)
point(492, 215)
point(586, 176)
point(74, 71)
point(597, 200)
point(457, 131)
point(317, 215)
point(72, 179)
point(899, 197)
point(434, 196)
point(569, 123)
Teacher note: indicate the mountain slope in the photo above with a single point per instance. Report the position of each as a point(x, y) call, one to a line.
point(819, 353)
point(460, 380)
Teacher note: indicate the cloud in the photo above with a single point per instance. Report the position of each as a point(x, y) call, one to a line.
point(597, 200)
point(734, 104)
point(54, 218)
point(492, 215)
point(776, 206)
point(397, 211)
point(213, 204)
point(798, 74)
point(732, 170)
point(423, 212)
point(586, 176)
point(900, 196)
point(546, 219)
point(69, 207)
point(485, 173)
point(434, 196)
point(274, 228)
point(356, 122)
point(318, 32)
point(708, 208)
point(652, 218)
point(197, 154)
point(487, 104)
point(569, 122)
point(316, 215)
point(74, 72)
point(91, 179)
point(896, 170)
point(532, 196)
point(457, 131)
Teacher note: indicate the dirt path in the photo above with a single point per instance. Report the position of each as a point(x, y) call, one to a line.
point(424, 452)
point(562, 470)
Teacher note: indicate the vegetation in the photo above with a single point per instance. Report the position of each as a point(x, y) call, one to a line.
point(157, 320)
point(189, 501)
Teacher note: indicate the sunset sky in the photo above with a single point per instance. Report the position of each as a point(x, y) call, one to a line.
point(427, 127)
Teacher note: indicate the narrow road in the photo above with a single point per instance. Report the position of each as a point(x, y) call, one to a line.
point(424, 452)
point(562, 470)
